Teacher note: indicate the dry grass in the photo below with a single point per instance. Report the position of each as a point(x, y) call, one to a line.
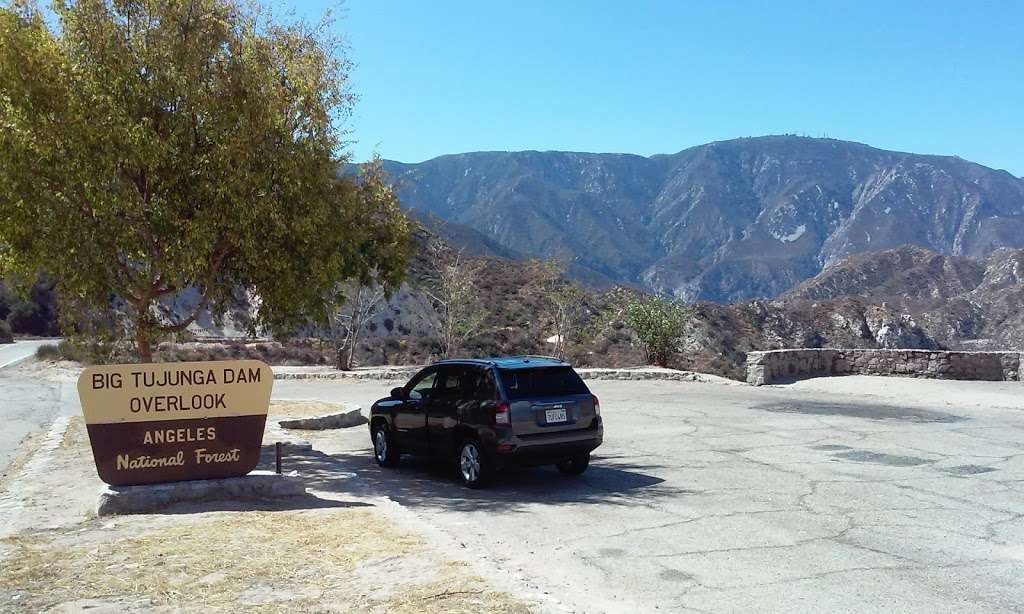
point(208, 564)
point(453, 598)
point(251, 561)
point(305, 409)
point(463, 597)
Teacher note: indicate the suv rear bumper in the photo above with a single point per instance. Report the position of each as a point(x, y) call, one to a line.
point(549, 448)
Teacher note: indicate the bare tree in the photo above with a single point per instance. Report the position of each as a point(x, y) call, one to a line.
point(357, 304)
point(452, 288)
point(562, 302)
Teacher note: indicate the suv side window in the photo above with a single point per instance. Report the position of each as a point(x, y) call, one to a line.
point(452, 383)
point(481, 386)
point(422, 385)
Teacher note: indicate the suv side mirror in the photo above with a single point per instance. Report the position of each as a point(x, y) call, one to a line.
point(398, 393)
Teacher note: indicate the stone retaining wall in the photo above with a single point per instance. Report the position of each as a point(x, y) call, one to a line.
point(402, 374)
point(787, 365)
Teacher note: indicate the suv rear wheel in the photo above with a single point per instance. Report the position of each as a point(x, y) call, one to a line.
point(474, 467)
point(574, 465)
point(384, 448)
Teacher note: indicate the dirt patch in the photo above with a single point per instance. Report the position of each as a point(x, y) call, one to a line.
point(306, 409)
point(50, 370)
point(75, 436)
point(257, 561)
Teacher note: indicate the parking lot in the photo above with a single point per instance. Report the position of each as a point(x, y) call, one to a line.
point(853, 494)
point(843, 494)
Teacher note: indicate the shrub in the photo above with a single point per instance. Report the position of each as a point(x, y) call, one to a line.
point(293, 353)
point(86, 352)
point(50, 351)
point(5, 333)
point(658, 322)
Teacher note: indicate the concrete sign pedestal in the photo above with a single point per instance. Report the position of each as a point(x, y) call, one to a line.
point(154, 498)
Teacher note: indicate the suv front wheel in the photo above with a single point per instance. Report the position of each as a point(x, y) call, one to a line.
point(385, 451)
point(474, 466)
point(574, 465)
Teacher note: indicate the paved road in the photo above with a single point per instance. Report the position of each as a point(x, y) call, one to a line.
point(847, 495)
point(27, 403)
point(13, 353)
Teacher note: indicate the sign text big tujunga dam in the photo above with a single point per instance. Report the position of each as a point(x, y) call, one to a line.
point(178, 421)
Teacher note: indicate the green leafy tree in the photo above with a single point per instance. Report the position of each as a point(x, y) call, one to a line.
point(149, 147)
point(657, 321)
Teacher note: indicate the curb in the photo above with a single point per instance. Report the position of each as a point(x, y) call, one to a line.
point(342, 420)
point(12, 500)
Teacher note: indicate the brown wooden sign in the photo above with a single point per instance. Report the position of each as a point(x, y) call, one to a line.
point(169, 422)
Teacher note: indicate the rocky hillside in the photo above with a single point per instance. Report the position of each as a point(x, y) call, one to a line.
point(903, 298)
point(961, 302)
point(725, 222)
point(905, 274)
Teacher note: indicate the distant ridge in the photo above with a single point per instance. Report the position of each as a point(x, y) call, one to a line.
point(730, 220)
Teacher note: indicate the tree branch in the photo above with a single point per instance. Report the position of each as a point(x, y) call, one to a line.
point(220, 253)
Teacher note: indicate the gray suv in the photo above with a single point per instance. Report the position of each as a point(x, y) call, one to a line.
point(489, 413)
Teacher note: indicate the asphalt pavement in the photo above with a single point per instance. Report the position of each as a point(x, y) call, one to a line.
point(832, 495)
point(27, 402)
point(13, 353)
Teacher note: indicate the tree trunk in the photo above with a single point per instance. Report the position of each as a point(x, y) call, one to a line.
point(350, 357)
point(344, 353)
point(144, 348)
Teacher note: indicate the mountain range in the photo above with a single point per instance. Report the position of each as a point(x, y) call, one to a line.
point(724, 222)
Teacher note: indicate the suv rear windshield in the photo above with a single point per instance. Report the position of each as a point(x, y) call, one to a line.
point(542, 382)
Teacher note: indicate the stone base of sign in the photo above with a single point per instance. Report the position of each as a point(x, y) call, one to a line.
point(154, 498)
point(341, 420)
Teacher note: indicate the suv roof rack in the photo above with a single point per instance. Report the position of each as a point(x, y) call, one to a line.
point(498, 361)
point(489, 361)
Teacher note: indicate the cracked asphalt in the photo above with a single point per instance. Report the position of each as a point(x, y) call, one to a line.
point(847, 494)
point(842, 495)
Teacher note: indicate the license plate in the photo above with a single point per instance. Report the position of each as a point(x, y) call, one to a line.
point(555, 415)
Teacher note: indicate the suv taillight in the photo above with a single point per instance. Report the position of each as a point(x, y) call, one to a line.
point(597, 405)
point(502, 414)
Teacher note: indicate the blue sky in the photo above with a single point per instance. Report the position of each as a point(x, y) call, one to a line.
point(444, 76)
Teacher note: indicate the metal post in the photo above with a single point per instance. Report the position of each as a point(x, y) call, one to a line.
point(278, 446)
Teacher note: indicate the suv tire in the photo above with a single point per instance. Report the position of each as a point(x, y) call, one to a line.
point(574, 465)
point(385, 450)
point(474, 467)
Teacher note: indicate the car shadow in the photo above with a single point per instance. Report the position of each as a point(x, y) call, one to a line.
point(430, 483)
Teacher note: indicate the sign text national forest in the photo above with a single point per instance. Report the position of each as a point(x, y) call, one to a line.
point(176, 421)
